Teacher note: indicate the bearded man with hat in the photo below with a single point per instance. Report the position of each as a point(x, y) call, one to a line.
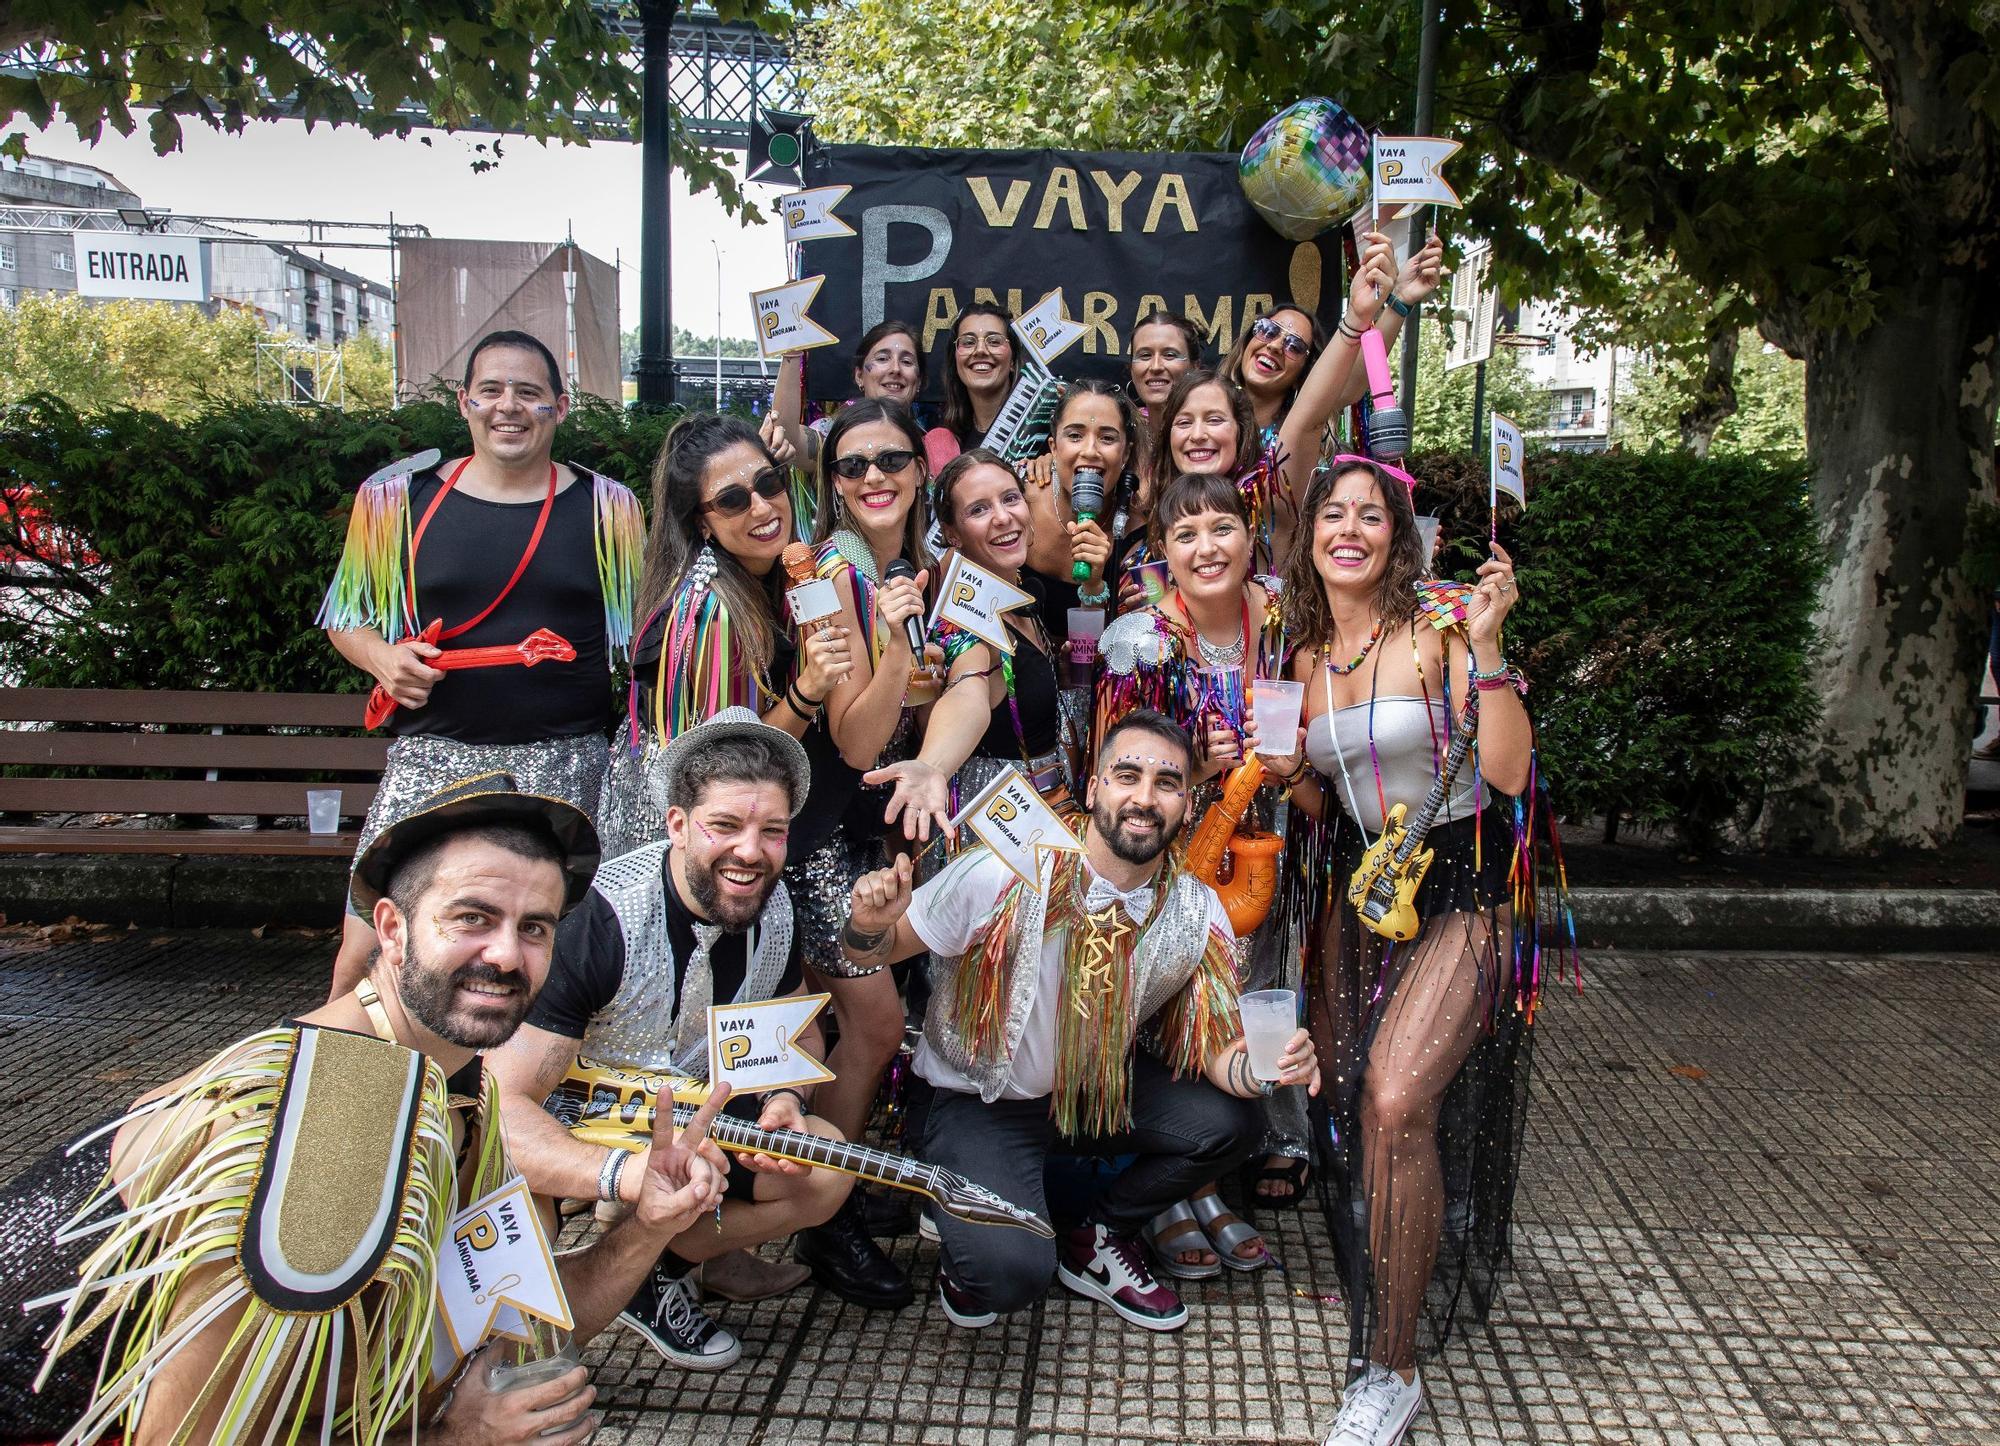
point(258, 1253)
point(699, 918)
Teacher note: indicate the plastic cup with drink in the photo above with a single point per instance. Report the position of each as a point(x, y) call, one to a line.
point(1270, 1019)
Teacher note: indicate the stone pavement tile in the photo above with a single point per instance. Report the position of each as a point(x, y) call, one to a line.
point(1951, 1126)
point(1887, 1199)
point(1587, 1276)
point(1599, 1385)
point(1796, 1290)
point(1878, 1393)
point(1709, 1189)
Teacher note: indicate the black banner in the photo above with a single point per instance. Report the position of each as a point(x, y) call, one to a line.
point(1119, 232)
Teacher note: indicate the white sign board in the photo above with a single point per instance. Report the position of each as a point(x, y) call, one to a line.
point(1010, 818)
point(755, 1046)
point(973, 599)
point(140, 264)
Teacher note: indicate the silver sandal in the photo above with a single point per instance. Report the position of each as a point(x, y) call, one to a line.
point(1225, 1239)
point(1176, 1229)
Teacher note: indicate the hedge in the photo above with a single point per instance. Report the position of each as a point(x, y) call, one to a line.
point(1665, 620)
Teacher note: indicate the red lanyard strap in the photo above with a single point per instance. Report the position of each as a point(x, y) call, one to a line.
point(527, 553)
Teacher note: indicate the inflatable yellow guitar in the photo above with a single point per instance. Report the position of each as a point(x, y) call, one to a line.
point(1384, 887)
point(606, 1105)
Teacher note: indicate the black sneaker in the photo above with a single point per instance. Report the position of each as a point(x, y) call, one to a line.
point(665, 1316)
point(849, 1263)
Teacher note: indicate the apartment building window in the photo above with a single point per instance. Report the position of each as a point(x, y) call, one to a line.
point(63, 260)
point(9, 296)
point(7, 261)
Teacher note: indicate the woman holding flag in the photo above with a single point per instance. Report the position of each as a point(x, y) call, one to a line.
point(1429, 1034)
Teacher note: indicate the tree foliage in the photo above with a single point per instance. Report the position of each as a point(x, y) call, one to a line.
point(155, 356)
point(193, 554)
point(999, 73)
point(549, 69)
point(1770, 409)
point(1442, 418)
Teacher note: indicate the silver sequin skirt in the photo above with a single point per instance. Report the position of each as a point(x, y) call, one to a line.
point(821, 885)
point(418, 766)
point(633, 812)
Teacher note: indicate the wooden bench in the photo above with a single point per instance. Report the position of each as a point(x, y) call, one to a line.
point(226, 769)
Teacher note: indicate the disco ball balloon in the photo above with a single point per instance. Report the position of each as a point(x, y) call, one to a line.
point(1307, 168)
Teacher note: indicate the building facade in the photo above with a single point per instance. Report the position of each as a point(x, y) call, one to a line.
point(292, 292)
point(39, 261)
point(1582, 387)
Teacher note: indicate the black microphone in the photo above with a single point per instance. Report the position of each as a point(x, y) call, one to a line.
point(1086, 500)
point(913, 629)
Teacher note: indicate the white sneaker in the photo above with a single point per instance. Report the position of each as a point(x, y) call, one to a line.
point(1376, 1409)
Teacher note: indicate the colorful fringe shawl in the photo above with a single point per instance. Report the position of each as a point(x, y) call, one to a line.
point(372, 589)
point(1097, 1015)
point(701, 669)
point(189, 1203)
point(1266, 501)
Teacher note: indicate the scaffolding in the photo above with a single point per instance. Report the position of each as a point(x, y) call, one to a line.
point(294, 373)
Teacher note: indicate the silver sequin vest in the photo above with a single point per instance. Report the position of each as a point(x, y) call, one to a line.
point(1166, 958)
point(637, 1028)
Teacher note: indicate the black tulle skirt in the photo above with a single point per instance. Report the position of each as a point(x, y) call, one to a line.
point(1355, 982)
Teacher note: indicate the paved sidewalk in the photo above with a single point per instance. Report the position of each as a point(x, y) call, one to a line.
point(1761, 1204)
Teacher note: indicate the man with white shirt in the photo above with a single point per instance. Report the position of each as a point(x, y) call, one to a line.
point(1094, 1009)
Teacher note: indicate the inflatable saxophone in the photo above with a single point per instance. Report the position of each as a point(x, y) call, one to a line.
point(1242, 867)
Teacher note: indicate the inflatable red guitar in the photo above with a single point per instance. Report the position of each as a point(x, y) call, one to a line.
point(540, 646)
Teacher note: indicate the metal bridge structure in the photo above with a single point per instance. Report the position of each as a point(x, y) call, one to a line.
point(709, 73)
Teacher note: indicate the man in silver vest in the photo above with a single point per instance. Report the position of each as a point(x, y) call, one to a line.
point(1093, 1009)
point(667, 930)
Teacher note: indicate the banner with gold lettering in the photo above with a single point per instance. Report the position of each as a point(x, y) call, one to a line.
point(1120, 232)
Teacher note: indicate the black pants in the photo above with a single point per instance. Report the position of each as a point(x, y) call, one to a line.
point(1186, 1132)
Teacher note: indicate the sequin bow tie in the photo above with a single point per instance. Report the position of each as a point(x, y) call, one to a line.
point(1101, 896)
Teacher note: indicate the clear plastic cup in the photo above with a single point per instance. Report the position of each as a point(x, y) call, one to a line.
point(1156, 580)
point(1270, 1019)
point(323, 810)
point(1275, 705)
point(517, 1366)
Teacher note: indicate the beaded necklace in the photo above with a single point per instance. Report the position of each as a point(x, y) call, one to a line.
point(1342, 670)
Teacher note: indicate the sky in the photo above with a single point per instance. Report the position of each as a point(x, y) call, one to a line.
point(277, 170)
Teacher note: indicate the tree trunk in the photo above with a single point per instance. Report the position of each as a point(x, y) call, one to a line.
point(1899, 427)
point(1715, 402)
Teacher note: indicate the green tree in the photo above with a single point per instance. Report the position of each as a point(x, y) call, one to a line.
point(1442, 418)
point(367, 372)
point(1011, 73)
point(1768, 397)
point(153, 355)
point(549, 69)
point(1830, 172)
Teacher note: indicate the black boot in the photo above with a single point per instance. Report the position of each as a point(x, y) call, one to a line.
point(847, 1262)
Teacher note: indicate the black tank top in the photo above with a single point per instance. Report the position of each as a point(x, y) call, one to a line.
point(1035, 699)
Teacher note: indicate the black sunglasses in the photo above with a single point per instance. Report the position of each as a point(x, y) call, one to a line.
point(734, 500)
point(854, 467)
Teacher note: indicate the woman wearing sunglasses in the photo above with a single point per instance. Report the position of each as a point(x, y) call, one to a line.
point(1163, 345)
point(711, 596)
point(983, 370)
point(1277, 349)
point(1192, 657)
point(871, 513)
point(888, 364)
point(996, 709)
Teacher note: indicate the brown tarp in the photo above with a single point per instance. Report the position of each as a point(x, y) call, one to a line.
point(449, 293)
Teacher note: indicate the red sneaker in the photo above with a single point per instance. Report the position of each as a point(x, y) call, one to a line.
point(1112, 1268)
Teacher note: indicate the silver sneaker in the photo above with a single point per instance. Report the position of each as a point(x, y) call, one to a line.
point(1376, 1409)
